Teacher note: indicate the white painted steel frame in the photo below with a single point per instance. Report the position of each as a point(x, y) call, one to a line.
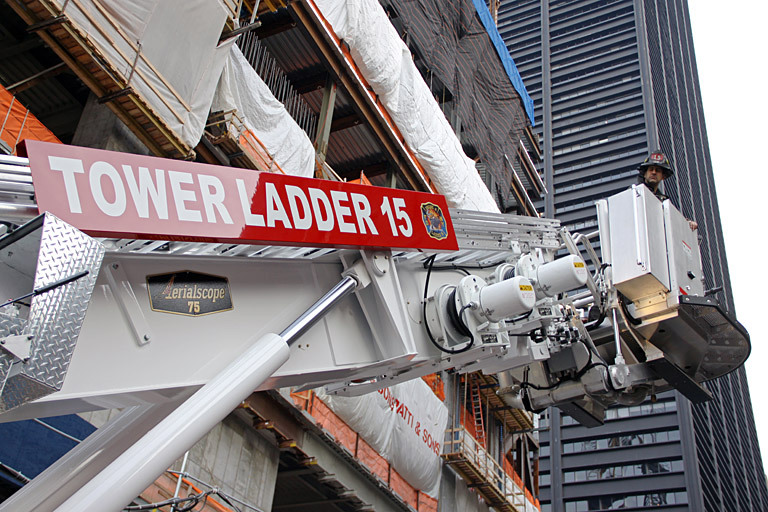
point(123, 458)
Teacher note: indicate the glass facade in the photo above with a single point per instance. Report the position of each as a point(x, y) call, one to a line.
point(638, 449)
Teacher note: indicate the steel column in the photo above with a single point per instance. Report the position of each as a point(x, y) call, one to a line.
point(325, 118)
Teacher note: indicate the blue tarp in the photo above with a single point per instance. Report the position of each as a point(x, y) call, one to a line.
point(29, 447)
point(506, 59)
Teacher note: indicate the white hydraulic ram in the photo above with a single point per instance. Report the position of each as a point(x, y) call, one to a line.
point(159, 286)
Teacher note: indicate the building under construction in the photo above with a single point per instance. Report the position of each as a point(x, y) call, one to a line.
point(420, 96)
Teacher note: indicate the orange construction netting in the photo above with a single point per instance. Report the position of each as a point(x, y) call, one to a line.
point(18, 123)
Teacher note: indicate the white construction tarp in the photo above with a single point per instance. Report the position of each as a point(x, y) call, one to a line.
point(405, 424)
point(241, 89)
point(167, 50)
point(386, 64)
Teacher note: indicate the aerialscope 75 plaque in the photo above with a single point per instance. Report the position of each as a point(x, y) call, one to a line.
point(189, 293)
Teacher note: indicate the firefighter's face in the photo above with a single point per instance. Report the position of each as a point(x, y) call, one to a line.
point(654, 175)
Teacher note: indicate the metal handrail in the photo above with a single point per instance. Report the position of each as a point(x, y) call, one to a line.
point(460, 442)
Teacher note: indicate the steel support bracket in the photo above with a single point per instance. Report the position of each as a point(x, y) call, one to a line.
point(18, 345)
point(129, 305)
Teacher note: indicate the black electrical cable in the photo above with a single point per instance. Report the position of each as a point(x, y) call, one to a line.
point(194, 499)
point(456, 317)
point(538, 338)
point(192, 505)
point(453, 266)
point(213, 490)
point(463, 323)
point(451, 269)
point(428, 265)
point(226, 500)
point(632, 320)
point(593, 325)
point(525, 384)
point(186, 504)
point(521, 317)
point(601, 316)
point(578, 375)
point(593, 351)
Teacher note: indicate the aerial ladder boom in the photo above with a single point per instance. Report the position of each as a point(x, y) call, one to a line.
point(173, 290)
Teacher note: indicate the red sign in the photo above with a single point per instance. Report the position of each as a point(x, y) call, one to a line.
point(120, 195)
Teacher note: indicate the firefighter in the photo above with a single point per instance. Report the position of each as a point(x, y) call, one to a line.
point(655, 169)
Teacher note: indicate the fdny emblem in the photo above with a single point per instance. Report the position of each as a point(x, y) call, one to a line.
point(434, 221)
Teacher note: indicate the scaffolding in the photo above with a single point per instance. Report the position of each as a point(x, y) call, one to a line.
point(514, 420)
point(473, 447)
point(227, 131)
point(501, 490)
point(103, 76)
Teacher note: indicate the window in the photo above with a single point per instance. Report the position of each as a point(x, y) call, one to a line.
point(634, 439)
point(623, 471)
point(618, 502)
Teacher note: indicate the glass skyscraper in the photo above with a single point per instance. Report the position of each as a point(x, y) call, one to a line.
point(612, 80)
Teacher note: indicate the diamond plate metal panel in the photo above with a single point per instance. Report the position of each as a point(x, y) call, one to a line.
point(9, 325)
point(20, 389)
point(55, 317)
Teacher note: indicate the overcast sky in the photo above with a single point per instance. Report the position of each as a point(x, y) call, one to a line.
point(730, 40)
